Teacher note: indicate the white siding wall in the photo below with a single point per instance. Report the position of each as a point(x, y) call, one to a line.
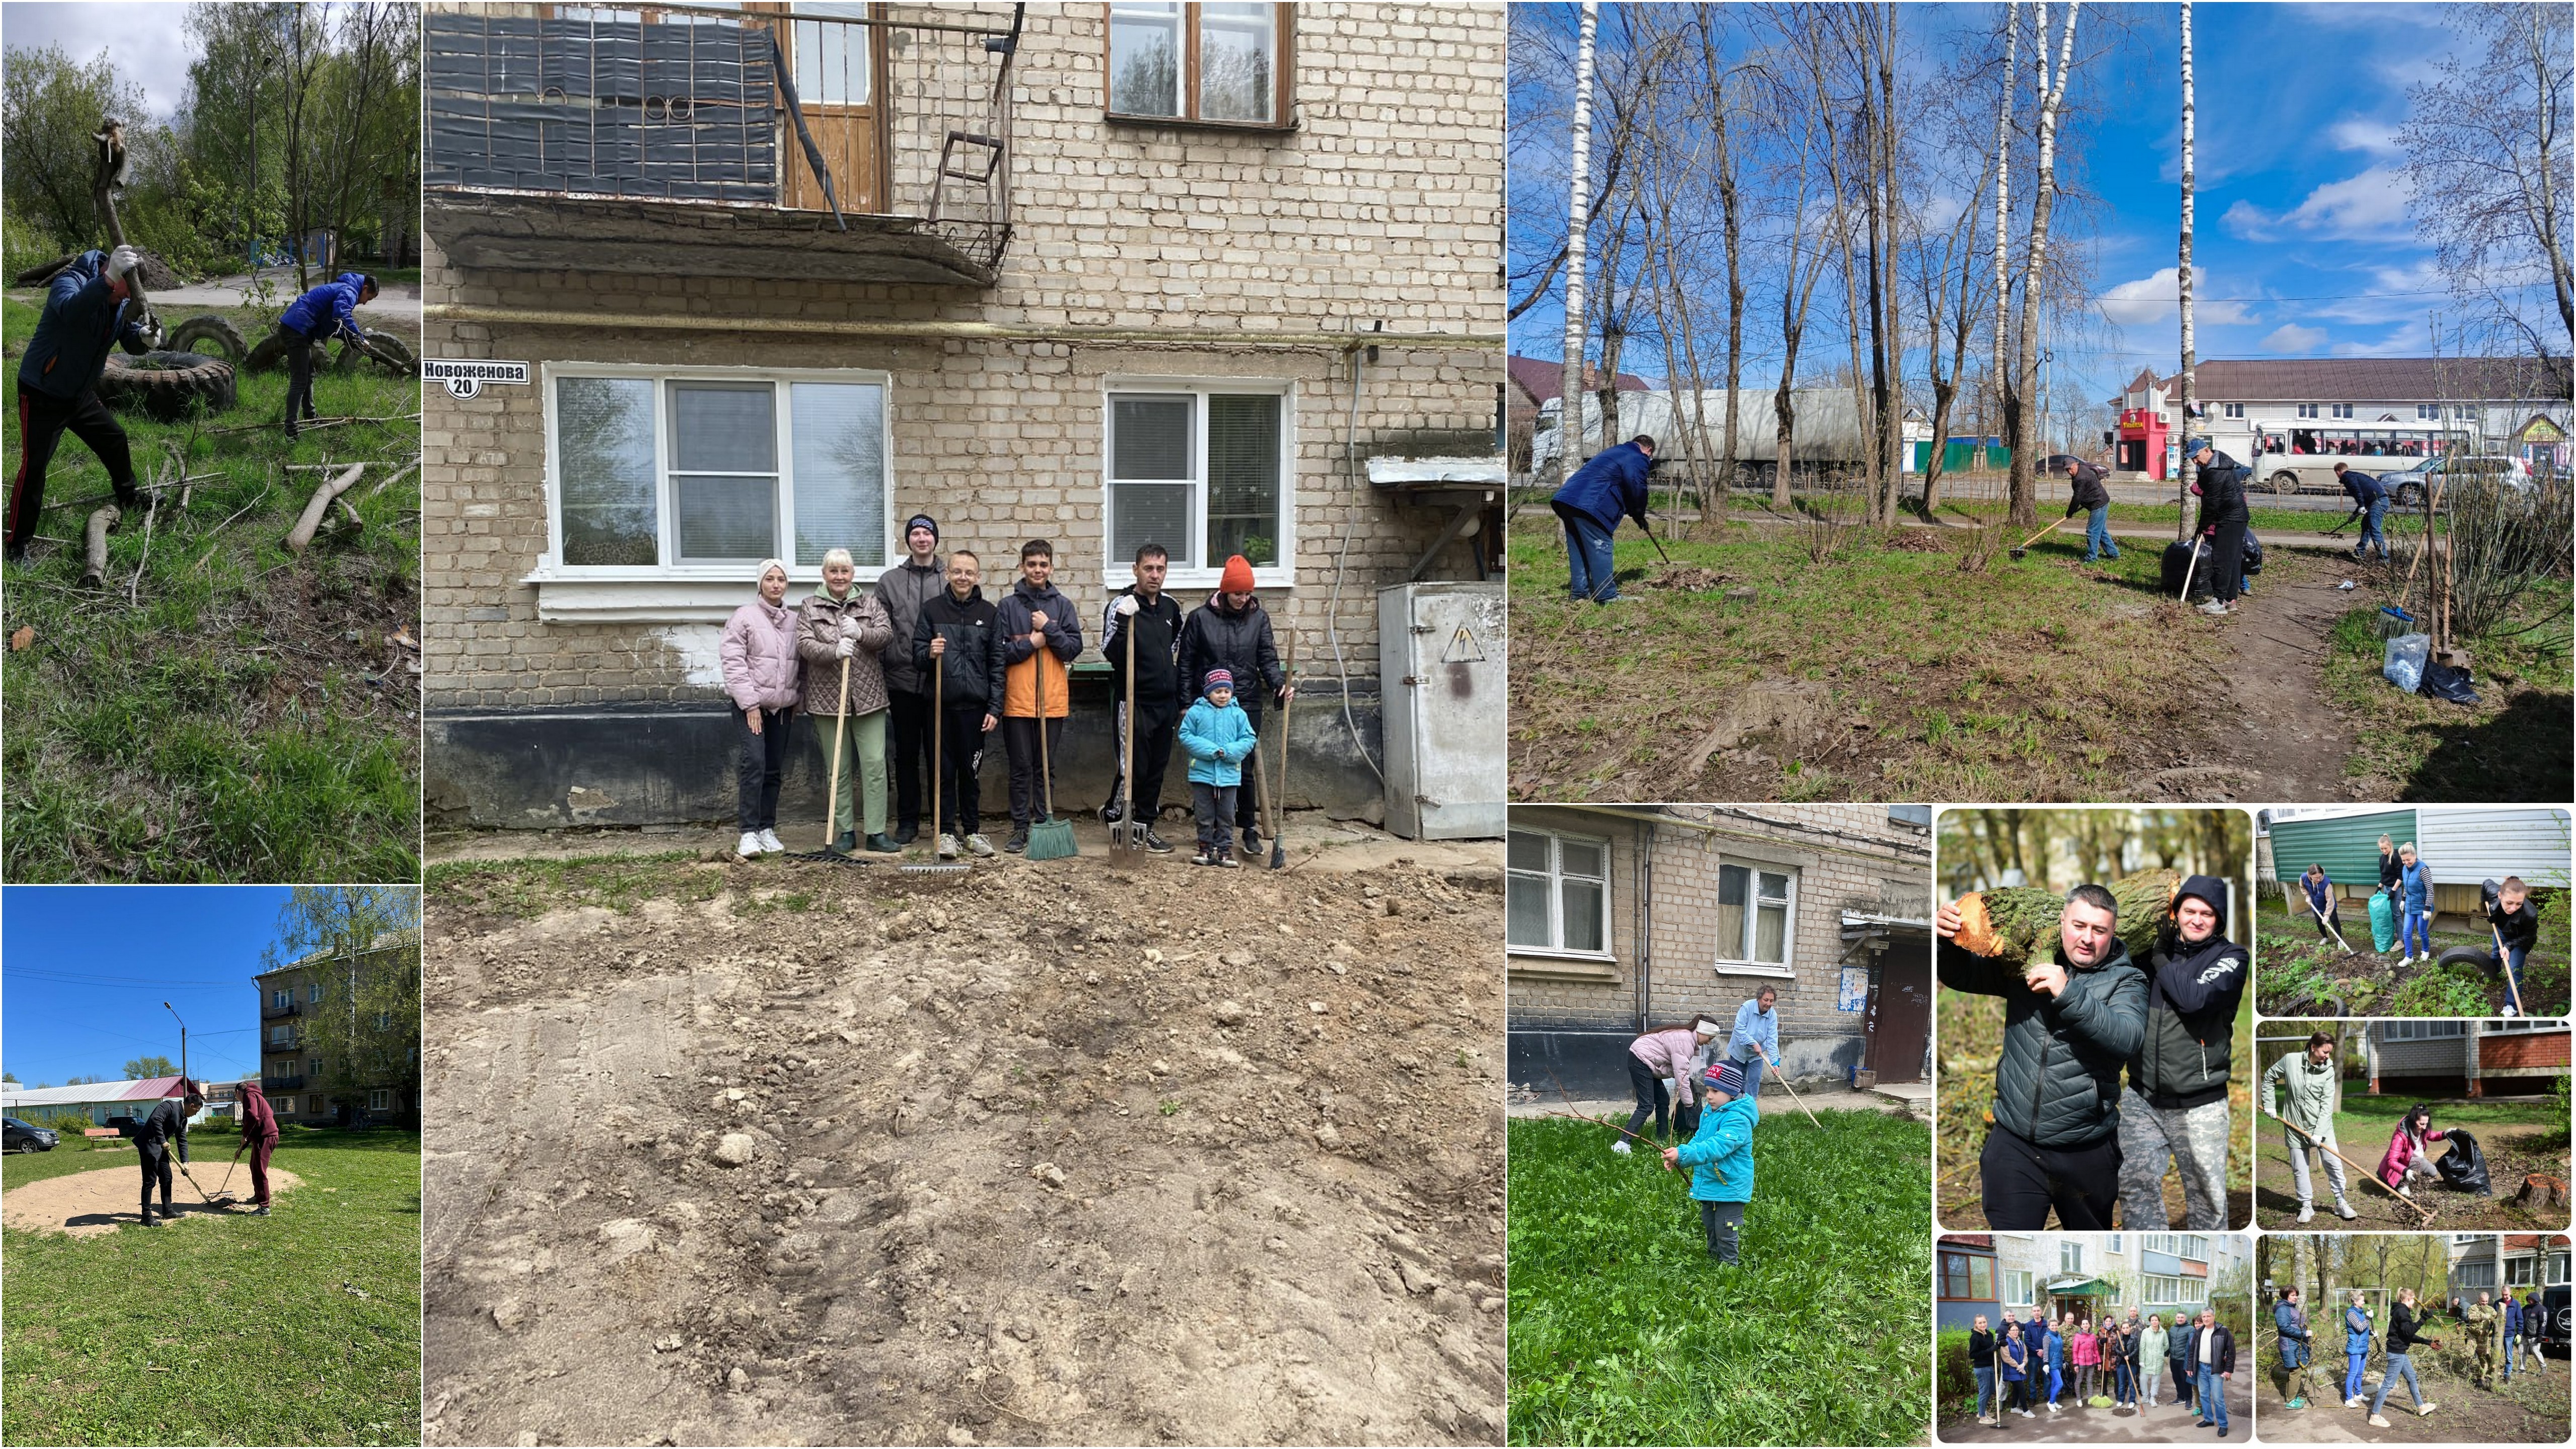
point(2466, 845)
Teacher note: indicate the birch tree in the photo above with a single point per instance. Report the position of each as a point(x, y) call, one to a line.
point(2003, 190)
point(1569, 421)
point(2025, 509)
point(2182, 274)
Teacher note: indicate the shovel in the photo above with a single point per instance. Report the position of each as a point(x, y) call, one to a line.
point(2023, 551)
point(938, 730)
point(1123, 842)
point(1279, 799)
point(1050, 838)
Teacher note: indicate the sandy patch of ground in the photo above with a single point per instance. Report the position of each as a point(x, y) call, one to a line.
point(85, 1204)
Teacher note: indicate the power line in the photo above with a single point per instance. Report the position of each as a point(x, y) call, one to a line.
point(38, 973)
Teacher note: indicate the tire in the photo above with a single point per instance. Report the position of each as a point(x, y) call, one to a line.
point(210, 327)
point(269, 355)
point(2468, 956)
point(168, 386)
point(2409, 494)
point(348, 357)
point(2284, 481)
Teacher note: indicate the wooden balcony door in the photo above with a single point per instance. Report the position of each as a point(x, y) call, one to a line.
point(840, 75)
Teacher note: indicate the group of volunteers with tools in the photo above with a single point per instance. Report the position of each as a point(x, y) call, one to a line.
point(160, 1139)
point(2401, 915)
point(919, 670)
point(2049, 1364)
point(2502, 1338)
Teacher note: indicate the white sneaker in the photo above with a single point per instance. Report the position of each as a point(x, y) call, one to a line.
point(2344, 1210)
point(1621, 1147)
point(977, 845)
point(769, 842)
point(947, 849)
point(749, 847)
point(2213, 608)
point(2352, 1403)
point(2379, 1422)
point(2306, 1212)
point(2425, 1409)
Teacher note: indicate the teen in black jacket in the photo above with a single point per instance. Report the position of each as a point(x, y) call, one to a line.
point(1155, 622)
point(968, 667)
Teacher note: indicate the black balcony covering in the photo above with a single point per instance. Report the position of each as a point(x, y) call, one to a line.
point(681, 110)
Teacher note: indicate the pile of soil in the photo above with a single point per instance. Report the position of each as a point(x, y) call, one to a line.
point(86, 1204)
point(157, 276)
point(1690, 578)
point(1045, 1153)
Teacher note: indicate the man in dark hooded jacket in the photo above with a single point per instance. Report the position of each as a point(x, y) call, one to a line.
point(2069, 1025)
point(1612, 485)
point(2175, 1108)
point(1232, 632)
point(162, 1130)
point(89, 307)
point(2224, 518)
point(259, 1138)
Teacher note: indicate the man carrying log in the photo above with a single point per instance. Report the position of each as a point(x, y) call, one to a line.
point(1590, 505)
point(89, 307)
point(2072, 1017)
point(2175, 1108)
point(2299, 1092)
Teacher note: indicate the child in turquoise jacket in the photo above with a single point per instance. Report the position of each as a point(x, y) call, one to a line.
point(1720, 1157)
point(1219, 737)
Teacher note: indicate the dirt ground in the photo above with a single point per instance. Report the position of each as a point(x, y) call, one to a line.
point(86, 1204)
point(1043, 1154)
point(2288, 742)
point(2511, 1151)
point(2166, 1423)
point(2529, 1410)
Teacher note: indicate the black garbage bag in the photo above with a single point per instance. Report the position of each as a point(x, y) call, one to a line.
point(2464, 1167)
point(2253, 554)
point(2443, 682)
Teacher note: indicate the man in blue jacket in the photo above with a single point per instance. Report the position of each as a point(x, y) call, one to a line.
point(327, 311)
point(89, 307)
point(2369, 504)
point(1591, 503)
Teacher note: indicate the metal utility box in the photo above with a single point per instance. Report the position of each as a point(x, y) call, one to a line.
point(1441, 691)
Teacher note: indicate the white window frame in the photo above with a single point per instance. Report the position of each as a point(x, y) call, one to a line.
point(2421, 1031)
point(2477, 1273)
point(281, 1035)
point(1786, 968)
point(282, 998)
point(2195, 1248)
point(1280, 573)
point(2343, 410)
point(1556, 896)
point(380, 1099)
point(2016, 1287)
point(702, 592)
point(2231, 410)
point(2307, 410)
point(2555, 1274)
point(2428, 412)
point(2070, 1254)
point(313, 993)
point(2521, 1270)
point(286, 1106)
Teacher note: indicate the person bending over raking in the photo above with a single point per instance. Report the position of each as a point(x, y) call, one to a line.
point(1611, 486)
point(327, 311)
point(1755, 1042)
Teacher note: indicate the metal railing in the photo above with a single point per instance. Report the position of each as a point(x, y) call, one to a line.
point(283, 1084)
point(838, 113)
point(280, 1013)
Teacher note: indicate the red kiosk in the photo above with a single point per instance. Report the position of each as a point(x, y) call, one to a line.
point(2142, 442)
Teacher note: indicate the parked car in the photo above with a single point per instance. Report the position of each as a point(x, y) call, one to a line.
point(2408, 487)
point(2553, 1327)
point(22, 1136)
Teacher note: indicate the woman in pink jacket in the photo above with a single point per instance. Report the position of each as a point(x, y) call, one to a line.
point(2085, 1350)
point(1660, 1055)
point(2406, 1157)
point(758, 652)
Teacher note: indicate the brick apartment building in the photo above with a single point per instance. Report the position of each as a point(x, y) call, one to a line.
point(298, 1079)
point(1633, 915)
point(1101, 274)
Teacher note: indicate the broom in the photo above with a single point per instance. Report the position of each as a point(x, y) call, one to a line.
point(1049, 838)
point(938, 731)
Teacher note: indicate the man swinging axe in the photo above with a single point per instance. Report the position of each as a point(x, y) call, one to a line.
point(89, 307)
point(259, 1138)
point(162, 1130)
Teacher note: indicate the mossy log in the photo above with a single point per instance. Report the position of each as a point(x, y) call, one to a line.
point(2020, 922)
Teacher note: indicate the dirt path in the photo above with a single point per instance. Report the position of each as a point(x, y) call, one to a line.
point(1042, 1155)
point(2279, 738)
point(2167, 1423)
point(86, 1204)
point(2529, 1410)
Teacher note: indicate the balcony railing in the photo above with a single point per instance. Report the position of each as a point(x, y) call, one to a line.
point(850, 119)
point(284, 1084)
point(281, 1013)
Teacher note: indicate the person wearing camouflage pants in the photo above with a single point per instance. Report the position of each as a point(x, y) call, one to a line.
point(2174, 1107)
point(2191, 1139)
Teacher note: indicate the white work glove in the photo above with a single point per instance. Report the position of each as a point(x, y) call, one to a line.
point(847, 647)
point(1125, 606)
point(124, 262)
point(152, 333)
point(849, 626)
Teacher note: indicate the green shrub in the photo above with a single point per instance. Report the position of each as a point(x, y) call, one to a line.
point(2442, 991)
point(1952, 1379)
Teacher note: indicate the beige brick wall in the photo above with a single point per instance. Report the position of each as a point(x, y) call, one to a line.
point(1845, 857)
point(1383, 205)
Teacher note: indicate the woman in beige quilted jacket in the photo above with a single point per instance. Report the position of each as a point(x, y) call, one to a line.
point(838, 623)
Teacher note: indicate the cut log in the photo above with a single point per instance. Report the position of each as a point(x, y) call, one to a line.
point(2542, 1190)
point(300, 537)
point(94, 546)
point(2020, 922)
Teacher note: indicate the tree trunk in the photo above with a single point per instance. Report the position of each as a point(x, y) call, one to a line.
point(1569, 421)
point(2025, 499)
point(2020, 922)
point(1891, 404)
point(2182, 273)
point(2003, 211)
point(1730, 210)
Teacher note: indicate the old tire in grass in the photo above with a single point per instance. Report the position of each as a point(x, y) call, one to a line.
point(405, 364)
point(2477, 956)
point(168, 386)
point(209, 328)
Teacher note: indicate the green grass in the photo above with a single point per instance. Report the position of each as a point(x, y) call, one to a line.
point(1624, 1331)
point(244, 718)
point(2509, 746)
point(226, 1332)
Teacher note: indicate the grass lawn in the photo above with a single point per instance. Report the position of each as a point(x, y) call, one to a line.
point(1893, 673)
point(1969, 1043)
point(1624, 1331)
point(2512, 745)
point(241, 1331)
point(2295, 971)
point(245, 717)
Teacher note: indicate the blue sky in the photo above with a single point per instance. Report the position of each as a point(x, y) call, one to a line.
point(84, 970)
point(2303, 242)
point(147, 40)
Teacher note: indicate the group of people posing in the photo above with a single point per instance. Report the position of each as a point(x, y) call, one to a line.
point(2032, 1365)
point(2068, 1137)
point(924, 650)
point(2498, 1335)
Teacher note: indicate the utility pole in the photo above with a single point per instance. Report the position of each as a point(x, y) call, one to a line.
point(183, 1041)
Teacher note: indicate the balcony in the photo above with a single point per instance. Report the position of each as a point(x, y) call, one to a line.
point(284, 1084)
point(694, 140)
point(281, 1013)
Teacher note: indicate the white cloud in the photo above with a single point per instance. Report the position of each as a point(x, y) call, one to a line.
point(2154, 298)
point(2405, 341)
point(148, 42)
point(2367, 207)
point(2358, 133)
point(2291, 337)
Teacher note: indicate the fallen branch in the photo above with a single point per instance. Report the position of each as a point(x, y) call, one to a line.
point(134, 585)
point(300, 537)
point(100, 522)
point(394, 477)
point(317, 423)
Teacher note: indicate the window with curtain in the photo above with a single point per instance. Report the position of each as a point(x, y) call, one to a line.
point(2016, 1286)
point(1218, 61)
point(681, 472)
point(1557, 892)
point(1753, 913)
point(1965, 1275)
point(1201, 472)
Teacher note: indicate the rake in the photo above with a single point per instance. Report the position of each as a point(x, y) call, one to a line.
point(2506, 962)
point(2023, 549)
point(1050, 838)
point(1279, 798)
point(1124, 842)
point(2422, 1211)
point(1783, 1079)
point(2329, 925)
point(938, 732)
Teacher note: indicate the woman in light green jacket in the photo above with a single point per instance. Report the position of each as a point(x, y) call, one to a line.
point(2151, 1358)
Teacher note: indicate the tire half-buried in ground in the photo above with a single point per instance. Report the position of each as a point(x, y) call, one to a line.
point(168, 386)
point(209, 327)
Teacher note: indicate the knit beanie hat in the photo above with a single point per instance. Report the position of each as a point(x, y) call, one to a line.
point(1216, 679)
point(921, 520)
point(1237, 578)
point(1725, 1076)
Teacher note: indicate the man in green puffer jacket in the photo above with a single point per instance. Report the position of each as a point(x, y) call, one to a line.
point(2069, 1025)
point(2175, 1108)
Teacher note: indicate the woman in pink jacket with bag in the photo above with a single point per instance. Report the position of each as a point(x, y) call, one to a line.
point(758, 652)
point(2406, 1157)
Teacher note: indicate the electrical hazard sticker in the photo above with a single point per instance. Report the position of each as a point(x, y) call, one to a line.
point(1464, 648)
